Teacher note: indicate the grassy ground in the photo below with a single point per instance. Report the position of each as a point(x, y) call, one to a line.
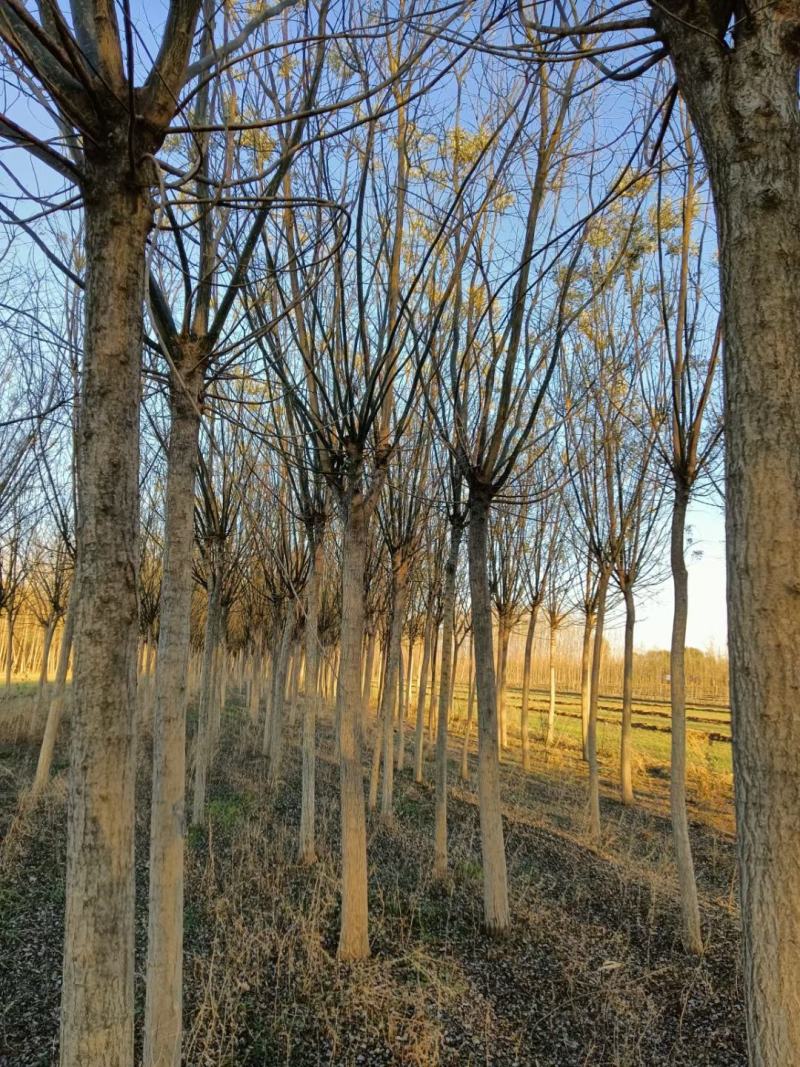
point(593, 972)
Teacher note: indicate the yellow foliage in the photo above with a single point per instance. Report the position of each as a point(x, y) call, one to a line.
point(464, 147)
point(286, 66)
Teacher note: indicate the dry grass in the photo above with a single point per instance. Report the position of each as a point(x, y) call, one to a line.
point(593, 972)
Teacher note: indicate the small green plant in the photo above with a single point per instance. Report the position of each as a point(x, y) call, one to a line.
point(226, 812)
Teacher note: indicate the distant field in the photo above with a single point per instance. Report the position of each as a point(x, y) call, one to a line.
point(708, 727)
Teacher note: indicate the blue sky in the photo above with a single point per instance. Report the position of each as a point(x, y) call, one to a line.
point(705, 558)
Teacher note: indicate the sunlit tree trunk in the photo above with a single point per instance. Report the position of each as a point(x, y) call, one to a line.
point(586, 679)
point(276, 722)
point(202, 748)
point(354, 931)
point(42, 689)
point(524, 724)
point(368, 671)
point(626, 739)
point(403, 700)
point(445, 690)
point(419, 733)
point(495, 884)
point(453, 676)
point(502, 715)
point(56, 710)
point(377, 753)
point(9, 664)
point(400, 570)
point(591, 738)
point(551, 710)
point(687, 885)
point(256, 682)
point(435, 660)
point(164, 982)
point(468, 726)
point(97, 983)
point(308, 800)
point(743, 100)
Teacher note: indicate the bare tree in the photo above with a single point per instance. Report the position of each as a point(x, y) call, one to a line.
point(737, 70)
point(683, 386)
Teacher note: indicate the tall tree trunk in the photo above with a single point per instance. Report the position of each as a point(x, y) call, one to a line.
point(222, 681)
point(275, 754)
point(295, 681)
point(626, 739)
point(269, 699)
point(354, 932)
point(687, 886)
point(256, 682)
point(586, 678)
point(56, 709)
point(164, 981)
point(97, 984)
point(551, 710)
point(760, 238)
point(202, 747)
point(504, 636)
point(591, 737)
point(9, 665)
point(435, 658)
point(453, 676)
point(524, 724)
point(468, 726)
point(744, 103)
point(390, 689)
point(495, 882)
point(308, 799)
point(403, 697)
point(384, 650)
point(41, 695)
point(377, 753)
point(445, 690)
point(147, 696)
point(419, 733)
point(368, 672)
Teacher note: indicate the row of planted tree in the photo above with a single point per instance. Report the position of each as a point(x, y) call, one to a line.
point(318, 306)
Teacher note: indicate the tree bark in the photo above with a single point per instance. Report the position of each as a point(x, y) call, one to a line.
point(9, 665)
point(390, 690)
point(551, 710)
point(256, 682)
point(495, 883)
point(368, 672)
point(56, 710)
point(586, 679)
point(419, 733)
point(377, 754)
point(308, 799)
point(468, 726)
point(504, 636)
point(445, 690)
point(524, 724)
point(41, 695)
point(744, 103)
point(275, 754)
point(164, 980)
point(591, 737)
point(626, 739)
point(435, 658)
point(403, 699)
point(384, 650)
point(97, 986)
point(687, 885)
point(354, 932)
point(202, 748)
